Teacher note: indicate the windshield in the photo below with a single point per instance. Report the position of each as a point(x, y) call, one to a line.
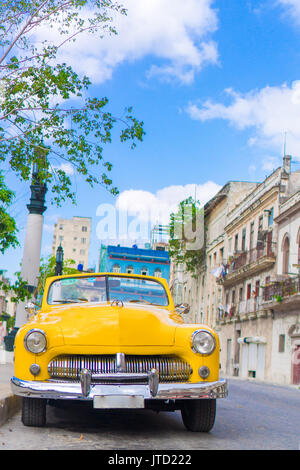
point(107, 288)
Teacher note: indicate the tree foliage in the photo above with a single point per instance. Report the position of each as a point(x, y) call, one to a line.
point(7, 223)
point(19, 289)
point(47, 269)
point(47, 116)
point(183, 225)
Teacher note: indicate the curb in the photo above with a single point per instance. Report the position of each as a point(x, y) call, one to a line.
point(9, 405)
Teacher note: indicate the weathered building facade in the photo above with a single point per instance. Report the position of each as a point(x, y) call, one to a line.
point(247, 252)
point(282, 296)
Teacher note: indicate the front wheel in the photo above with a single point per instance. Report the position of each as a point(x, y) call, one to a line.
point(33, 411)
point(199, 415)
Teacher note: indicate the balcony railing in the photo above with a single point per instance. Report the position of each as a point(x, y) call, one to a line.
point(251, 256)
point(252, 305)
point(279, 289)
point(248, 262)
point(242, 309)
point(228, 312)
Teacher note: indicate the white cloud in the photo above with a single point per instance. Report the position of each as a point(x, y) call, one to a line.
point(68, 168)
point(176, 37)
point(137, 211)
point(293, 7)
point(269, 113)
point(157, 207)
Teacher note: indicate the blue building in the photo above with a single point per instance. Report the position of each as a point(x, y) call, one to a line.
point(134, 260)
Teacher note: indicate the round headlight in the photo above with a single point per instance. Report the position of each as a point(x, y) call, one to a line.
point(35, 341)
point(203, 342)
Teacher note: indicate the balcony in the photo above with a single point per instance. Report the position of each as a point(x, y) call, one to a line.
point(244, 310)
point(228, 313)
point(247, 263)
point(282, 295)
point(251, 308)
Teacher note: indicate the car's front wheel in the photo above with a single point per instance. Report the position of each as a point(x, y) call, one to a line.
point(33, 411)
point(199, 415)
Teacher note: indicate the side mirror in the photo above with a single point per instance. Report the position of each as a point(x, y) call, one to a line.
point(30, 307)
point(182, 308)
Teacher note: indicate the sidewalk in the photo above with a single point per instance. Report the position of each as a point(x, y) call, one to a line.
point(9, 403)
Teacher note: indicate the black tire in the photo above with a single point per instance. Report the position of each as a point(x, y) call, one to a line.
point(34, 412)
point(199, 415)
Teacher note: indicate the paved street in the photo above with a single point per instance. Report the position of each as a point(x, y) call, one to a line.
point(254, 416)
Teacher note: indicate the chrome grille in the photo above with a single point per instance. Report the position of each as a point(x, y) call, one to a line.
point(170, 368)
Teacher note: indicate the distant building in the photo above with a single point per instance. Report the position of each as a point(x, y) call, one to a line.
point(74, 237)
point(134, 260)
point(6, 305)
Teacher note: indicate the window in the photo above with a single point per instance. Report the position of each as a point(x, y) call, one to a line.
point(84, 229)
point(61, 239)
point(251, 235)
point(248, 291)
point(129, 270)
point(267, 293)
point(157, 272)
point(83, 241)
point(229, 246)
point(82, 252)
point(257, 286)
point(260, 223)
point(281, 345)
point(236, 242)
point(271, 217)
point(285, 255)
point(61, 227)
point(144, 271)
point(244, 240)
point(116, 268)
point(241, 294)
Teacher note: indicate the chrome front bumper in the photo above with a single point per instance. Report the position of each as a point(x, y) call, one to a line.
point(86, 390)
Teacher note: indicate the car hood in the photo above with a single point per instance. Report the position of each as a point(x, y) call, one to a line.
point(104, 325)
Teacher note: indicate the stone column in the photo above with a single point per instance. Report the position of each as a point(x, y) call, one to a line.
point(32, 244)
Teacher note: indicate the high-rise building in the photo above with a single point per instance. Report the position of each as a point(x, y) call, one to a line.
point(74, 237)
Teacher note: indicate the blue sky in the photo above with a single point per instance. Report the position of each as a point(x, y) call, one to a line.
point(217, 84)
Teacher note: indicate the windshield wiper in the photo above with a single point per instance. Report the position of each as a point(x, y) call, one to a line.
point(71, 301)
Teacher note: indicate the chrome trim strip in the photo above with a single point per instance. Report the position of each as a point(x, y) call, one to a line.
point(85, 382)
point(171, 369)
point(153, 382)
point(72, 390)
point(120, 362)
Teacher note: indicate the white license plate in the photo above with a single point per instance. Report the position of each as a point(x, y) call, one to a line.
point(118, 401)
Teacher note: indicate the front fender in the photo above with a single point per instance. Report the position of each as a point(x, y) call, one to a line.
point(183, 336)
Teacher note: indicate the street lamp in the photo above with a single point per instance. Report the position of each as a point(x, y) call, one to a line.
point(59, 261)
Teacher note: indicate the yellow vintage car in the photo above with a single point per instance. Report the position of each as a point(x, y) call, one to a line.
point(116, 341)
